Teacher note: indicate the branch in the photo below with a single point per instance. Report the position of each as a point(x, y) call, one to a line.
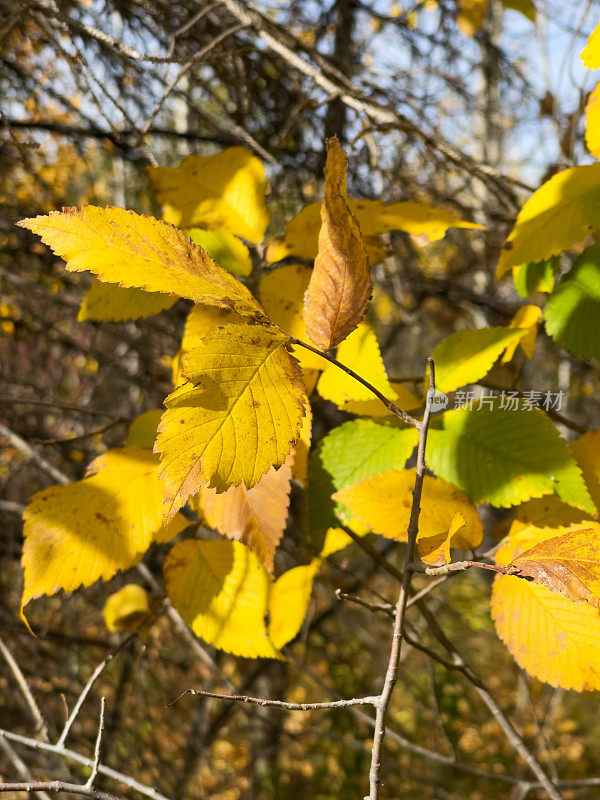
point(57, 786)
point(90, 781)
point(40, 723)
point(259, 701)
point(127, 780)
point(33, 455)
point(461, 566)
point(386, 402)
point(394, 660)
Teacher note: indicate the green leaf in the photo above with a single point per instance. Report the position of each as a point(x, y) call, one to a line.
point(537, 276)
point(225, 249)
point(573, 309)
point(505, 457)
point(466, 356)
point(347, 455)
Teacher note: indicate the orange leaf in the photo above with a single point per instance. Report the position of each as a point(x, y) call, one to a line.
point(340, 285)
point(569, 564)
point(254, 516)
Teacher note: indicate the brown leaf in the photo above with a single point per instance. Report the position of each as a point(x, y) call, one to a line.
point(340, 285)
point(254, 516)
point(569, 564)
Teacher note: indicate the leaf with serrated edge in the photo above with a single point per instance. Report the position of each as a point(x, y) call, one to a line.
point(552, 638)
point(91, 529)
point(289, 602)
point(200, 321)
point(586, 450)
point(224, 191)
point(504, 457)
point(568, 563)
point(466, 356)
point(384, 503)
point(109, 302)
point(560, 214)
point(254, 516)
point(239, 414)
point(340, 285)
point(222, 591)
point(133, 250)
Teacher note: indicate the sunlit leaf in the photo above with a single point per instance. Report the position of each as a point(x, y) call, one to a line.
point(340, 285)
point(560, 214)
point(133, 250)
point(537, 276)
point(222, 591)
point(223, 191)
point(224, 248)
point(290, 596)
point(256, 516)
point(504, 457)
point(526, 319)
point(466, 356)
point(143, 430)
point(109, 302)
point(91, 529)
point(592, 125)
point(126, 609)
point(586, 450)
point(590, 55)
point(239, 414)
point(471, 14)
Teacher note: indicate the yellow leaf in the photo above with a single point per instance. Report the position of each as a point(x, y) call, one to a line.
point(335, 539)
point(222, 591)
point(526, 319)
point(590, 55)
point(139, 251)
point(143, 430)
point(471, 14)
point(93, 528)
point(384, 501)
point(399, 394)
point(109, 302)
point(340, 285)
point(374, 218)
point(290, 596)
point(586, 451)
point(418, 219)
point(435, 550)
point(200, 321)
point(549, 512)
point(239, 415)
point(552, 638)
point(560, 214)
point(568, 563)
point(466, 356)
point(226, 249)
point(360, 351)
point(282, 296)
point(525, 7)
point(592, 125)
point(126, 609)
point(256, 516)
point(224, 191)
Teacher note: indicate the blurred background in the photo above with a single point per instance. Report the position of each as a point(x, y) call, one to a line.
point(468, 106)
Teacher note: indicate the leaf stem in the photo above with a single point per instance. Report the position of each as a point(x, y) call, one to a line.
point(386, 401)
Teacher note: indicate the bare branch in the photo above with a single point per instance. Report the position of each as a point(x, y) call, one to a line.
point(98, 746)
point(57, 786)
point(40, 724)
point(33, 455)
point(259, 701)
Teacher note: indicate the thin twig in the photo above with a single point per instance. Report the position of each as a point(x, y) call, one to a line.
point(461, 566)
point(40, 724)
point(20, 443)
point(57, 786)
point(260, 701)
point(127, 780)
point(90, 781)
point(19, 765)
point(386, 402)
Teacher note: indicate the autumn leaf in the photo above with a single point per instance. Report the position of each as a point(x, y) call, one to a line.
point(340, 285)
point(526, 320)
point(537, 276)
point(222, 591)
point(109, 302)
point(471, 14)
point(466, 356)
point(592, 125)
point(224, 248)
point(200, 321)
point(126, 609)
point(567, 563)
point(289, 601)
point(384, 503)
point(144, 429)
point(256, 516)
point(133, 250)
point(224, 191)
point(238, 415)
point(554, 639)
point(560, 214)
point(91, 529)
point(550, 512)
point(590, 55)
point(586, 450)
